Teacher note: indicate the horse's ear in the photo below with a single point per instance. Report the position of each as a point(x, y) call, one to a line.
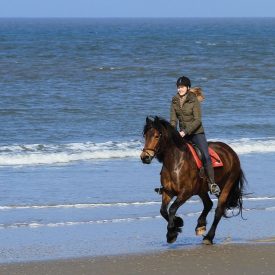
point(149, 120)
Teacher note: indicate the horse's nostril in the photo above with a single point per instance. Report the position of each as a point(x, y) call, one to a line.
point(146, 159)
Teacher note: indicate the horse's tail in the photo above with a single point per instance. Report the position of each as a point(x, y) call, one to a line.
point(235, 197)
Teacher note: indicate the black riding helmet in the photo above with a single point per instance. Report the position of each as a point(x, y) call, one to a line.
point(184, 81)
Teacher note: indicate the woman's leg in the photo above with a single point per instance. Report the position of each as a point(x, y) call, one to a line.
point(201, 142)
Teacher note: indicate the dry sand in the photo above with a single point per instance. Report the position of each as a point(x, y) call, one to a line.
point(217, 259)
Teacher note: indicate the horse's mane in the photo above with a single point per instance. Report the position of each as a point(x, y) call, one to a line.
point(160, 124)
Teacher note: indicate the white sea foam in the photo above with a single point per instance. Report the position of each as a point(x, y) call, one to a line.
point(34, 224)
point(39, 154)
point(112, 205)
point(37, 224)
point(250, 145)
point(74, 223)
point(80, 205)
point(259, 199)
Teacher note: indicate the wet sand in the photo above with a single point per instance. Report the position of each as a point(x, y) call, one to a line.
point(217, 259)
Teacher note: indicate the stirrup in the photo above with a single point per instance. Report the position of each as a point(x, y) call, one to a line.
point(214, 189)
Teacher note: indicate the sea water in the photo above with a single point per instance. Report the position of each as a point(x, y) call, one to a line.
point(74, 97)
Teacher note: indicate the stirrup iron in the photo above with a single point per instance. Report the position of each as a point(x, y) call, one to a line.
point(214, 189)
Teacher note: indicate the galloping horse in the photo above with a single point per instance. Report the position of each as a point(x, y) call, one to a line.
point(180, 177)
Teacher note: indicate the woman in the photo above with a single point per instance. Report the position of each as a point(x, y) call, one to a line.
point(185, 108)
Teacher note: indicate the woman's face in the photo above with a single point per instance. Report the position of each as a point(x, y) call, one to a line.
point(182, 90)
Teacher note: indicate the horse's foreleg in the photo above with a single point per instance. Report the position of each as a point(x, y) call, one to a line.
point(207, 206)
point(164, 205)
point(174, 223)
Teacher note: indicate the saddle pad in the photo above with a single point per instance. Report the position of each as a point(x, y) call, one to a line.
point(216, 161)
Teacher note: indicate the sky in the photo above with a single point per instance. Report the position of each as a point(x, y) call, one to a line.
point(137, 8)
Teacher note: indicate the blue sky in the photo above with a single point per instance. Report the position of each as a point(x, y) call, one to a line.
point(137, 8)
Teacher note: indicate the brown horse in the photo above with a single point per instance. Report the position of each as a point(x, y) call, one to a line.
point(180, 177)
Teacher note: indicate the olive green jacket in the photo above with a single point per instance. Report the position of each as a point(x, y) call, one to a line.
point(189, 116)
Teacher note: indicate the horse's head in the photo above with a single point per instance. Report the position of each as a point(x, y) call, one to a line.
point(152, 135)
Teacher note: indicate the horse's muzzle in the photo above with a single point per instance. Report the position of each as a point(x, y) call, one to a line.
point(145, 158)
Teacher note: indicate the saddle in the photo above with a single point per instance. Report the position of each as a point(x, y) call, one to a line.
point(196, 153)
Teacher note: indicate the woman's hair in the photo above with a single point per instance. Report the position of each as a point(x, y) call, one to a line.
point(197, 91)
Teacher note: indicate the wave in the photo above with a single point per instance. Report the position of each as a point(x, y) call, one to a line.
point(80, 205)
point(112, 205)
point(39, 154)
point(34, 224)
point(253, 145)
point(86, 205)
point(73, 223)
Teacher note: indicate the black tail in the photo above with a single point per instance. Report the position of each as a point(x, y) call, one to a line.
point(235, 197)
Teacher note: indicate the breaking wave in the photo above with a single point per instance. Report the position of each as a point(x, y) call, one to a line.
point(47, 154)
point(37, 154)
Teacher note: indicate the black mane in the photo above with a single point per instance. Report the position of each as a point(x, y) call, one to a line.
point(161, 125)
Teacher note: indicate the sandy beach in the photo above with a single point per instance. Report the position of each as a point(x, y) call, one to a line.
point(218, 259)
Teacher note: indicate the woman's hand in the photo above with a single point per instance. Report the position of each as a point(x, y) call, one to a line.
point(182, 134)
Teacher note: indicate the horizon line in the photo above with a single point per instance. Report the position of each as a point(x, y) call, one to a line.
point(137, 17)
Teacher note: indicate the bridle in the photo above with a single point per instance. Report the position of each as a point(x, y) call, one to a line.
point(155, 150)
point(145, 150)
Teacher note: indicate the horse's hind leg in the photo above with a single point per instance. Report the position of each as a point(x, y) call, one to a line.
point(208, 239)
point(207, 206)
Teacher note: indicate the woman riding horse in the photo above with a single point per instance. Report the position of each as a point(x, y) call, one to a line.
point(180, 177)
point(185, 108)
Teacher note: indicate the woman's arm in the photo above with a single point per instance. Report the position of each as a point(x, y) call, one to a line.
point(173, 116)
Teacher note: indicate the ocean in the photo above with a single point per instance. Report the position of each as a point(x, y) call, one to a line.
point(75, 94)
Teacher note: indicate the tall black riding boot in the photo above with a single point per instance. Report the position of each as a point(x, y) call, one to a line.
point(213, 187)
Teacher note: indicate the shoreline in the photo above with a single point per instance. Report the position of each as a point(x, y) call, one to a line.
point(249, 258)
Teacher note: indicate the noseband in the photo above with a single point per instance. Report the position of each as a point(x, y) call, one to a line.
point(149, 149)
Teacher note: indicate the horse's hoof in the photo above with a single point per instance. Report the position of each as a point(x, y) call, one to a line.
point(200, 230)
point(178, 229)
point(207, 242)
point(172, 236)
point(178, 222)
point(171, 240)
